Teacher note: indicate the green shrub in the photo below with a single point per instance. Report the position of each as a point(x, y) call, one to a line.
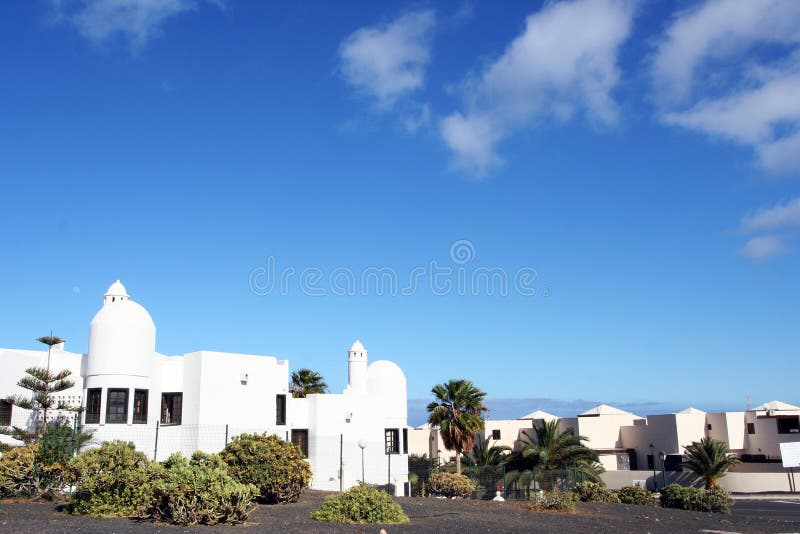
point(360, 504)
point(695, 499)
point(450, 485)
point(275, 467)
point(594, 492)
point(199, 491)
point(555, 500)
point(716, 500)
point(113, 479)
point(677, 496)
point(636, 495)
point(18, 472)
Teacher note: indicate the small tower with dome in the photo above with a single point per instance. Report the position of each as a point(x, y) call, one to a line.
point(357, 368)
point(122, 346)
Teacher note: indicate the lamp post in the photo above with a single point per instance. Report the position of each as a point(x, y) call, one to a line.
point(363, 444)
point(653, 456)
point(663, 456)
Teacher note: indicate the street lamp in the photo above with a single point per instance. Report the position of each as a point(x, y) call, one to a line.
point(653, 457)
point(363, 444)
point(663, 456)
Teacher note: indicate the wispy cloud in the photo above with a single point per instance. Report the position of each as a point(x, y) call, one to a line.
point(782, 215)
point(135, 21)
point(563, 63)
point(720, 41)
point(388, 61)
point(764, 247)
point(718, 29)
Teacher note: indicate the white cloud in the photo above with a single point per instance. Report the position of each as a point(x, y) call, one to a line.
point(719, 29)
point(782, 215)
point(388, 61)
point(763, 110)
point(764, 247)
point(136, 21)
point(564, 62)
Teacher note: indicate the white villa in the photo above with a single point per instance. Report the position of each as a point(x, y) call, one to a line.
point(630, 447)
point(200, 400)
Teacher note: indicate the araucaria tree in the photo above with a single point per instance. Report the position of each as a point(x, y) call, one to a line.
point(709, 459)
point(43, 385)
point(458, 412)
point(551, 449)
point(307, 382)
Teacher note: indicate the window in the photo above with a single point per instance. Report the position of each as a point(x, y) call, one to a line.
point(93, 406)
point(140, 406)
point(5, 413)
point(788, 425)
point(650, 462)
point(405, 441)
point(751, 428)
point(496, 433)
point(300, 439)
point(280, 409)
point(171, 408)
point(117, 406)
point(708, 426)
point(392, 440)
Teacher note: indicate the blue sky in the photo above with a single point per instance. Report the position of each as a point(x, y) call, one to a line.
point(636, 162)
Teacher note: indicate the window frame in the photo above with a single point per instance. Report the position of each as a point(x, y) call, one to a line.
point(140, 418)
point(112, 417)
point(6, 412)
point(300, 442)
point(280, 410)
point(785, 426)
point(91, 394)
point(168, 400)
point(391, 440)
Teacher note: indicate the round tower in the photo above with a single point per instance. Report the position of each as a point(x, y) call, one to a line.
point(122, 338)
point(357, 368)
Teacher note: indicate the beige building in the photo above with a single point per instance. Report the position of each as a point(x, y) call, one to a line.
point(631, 448)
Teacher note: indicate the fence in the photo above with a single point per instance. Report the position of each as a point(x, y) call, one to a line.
point(490, 479)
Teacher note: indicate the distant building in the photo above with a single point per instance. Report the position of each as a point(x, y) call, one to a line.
point(200, 400)
point(630, 447)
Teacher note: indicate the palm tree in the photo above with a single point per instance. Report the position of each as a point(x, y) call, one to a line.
point(709, 459)
point(305, 382)
point(552, 450)
point(458, 412)
point(484, 454)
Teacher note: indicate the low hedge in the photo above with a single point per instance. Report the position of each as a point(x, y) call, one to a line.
point(636, 495)
point(450, 485)
point(198, 492)
point(715, 500)
point(556, 501)
point(360, 504)
point(594, 492)
point(275, 467)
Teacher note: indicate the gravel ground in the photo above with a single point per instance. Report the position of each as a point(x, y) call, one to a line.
point(427, 515)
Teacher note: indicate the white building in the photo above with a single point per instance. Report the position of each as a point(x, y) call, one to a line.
point(632, 448)
point(200, 400)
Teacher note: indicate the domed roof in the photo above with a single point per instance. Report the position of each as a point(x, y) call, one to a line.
point(116, 290)
point(357, 346)
point(387, 380)
point(124, 313)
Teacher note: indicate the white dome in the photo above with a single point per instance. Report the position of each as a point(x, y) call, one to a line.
point(357, 346)
point(122, 338)
point(116, 290)
point(387, 380)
